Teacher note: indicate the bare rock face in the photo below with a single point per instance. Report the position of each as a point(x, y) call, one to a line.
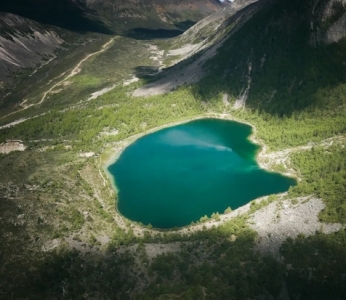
point(24, 44)
point(328, 23)
point(337, 31)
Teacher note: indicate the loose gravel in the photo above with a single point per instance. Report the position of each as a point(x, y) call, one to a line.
point(281, 220)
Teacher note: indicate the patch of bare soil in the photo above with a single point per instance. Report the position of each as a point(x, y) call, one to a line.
point(14, 123)
point(86, 154)
point(131, 80)
point(101, 92)
point(10, 146)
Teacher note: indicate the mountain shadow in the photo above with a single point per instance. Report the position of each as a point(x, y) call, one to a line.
point(280, 55)
point(149, 34)
point(62, 13)
point(211, 263)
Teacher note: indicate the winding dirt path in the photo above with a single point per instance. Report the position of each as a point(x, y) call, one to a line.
point(74, 72)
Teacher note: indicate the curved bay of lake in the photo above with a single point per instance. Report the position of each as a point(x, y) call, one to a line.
point(176, 175)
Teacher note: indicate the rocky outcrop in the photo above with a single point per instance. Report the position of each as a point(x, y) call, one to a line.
point(336, 31)
point(328, 21)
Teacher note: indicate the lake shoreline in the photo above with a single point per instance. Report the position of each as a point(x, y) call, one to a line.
point(111, 155)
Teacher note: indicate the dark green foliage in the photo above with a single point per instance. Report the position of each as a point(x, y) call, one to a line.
point(115, 110)
point(66, 275)
point(323, 172)
point(222, 268)
point(317, 266)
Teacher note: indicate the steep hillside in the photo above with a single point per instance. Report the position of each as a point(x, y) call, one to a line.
point(25, 44)
point(142, 17)
point(67, 14)
point(282, 57)
point(33, 55)
point(189, 52)
point(29, 42)
point(294, 35)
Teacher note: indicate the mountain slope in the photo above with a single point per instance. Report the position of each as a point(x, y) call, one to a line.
point(275, 56)
point(67, 14)
point(278, 50)
point(24, 44)
point(198, 45)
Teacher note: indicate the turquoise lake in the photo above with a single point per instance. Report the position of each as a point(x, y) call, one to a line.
point(176, 175)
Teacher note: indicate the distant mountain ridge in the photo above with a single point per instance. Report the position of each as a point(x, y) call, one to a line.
point(107, 16)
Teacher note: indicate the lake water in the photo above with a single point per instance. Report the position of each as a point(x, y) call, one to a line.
point(176, 175)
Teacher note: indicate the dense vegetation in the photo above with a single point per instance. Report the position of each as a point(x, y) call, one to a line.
point(115, 110)
point(324, 173)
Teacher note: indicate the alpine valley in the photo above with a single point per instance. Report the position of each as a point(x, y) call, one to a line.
point(235, 88)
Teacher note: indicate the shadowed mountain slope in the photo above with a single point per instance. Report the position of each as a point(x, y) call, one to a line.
point(68, 14)
point(115, 16)
point(275, 56)
point(282, 59)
